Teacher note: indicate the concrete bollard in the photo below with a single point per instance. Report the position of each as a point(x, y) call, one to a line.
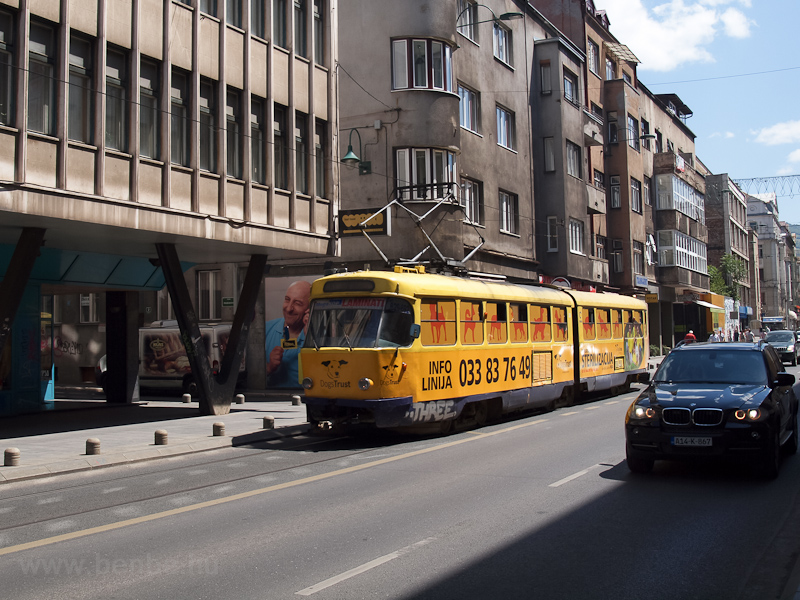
point(219, 429)
point(11, 457)
point(187, 398)
point(161, 437)
point(295, 400)
point(239, 398)
point(92, 446)
point(269, 422)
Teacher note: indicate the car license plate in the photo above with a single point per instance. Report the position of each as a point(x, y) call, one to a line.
point(691, 441)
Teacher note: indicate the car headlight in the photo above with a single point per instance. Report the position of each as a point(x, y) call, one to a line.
point(638, 412)
point(790, 348)
point(748, 414)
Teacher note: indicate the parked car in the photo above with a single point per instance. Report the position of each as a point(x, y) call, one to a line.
point(715, 400)
point(785, 343)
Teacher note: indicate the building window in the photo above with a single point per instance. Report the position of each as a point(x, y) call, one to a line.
point(659, 142)
point(233, 131)
point(571, 87)
point(472, 200)
point(89, 312)
point(574, 160)
point(279, 36)
point(300, 31)
point(633, 133)
point(80, 108)
point(611, 119)
point(320, 136)
point(647, 192)
point(258, 138)
point(600, 246)
point(428, 61)
point(638, 258)
point(593, 58)
point(626, 77)
point(617, 262)
point(180, 118)
point(505, 128)
point(209, 296)
point(502, 44)
point(676, 249)
point(301, 152)
point(319, 32)
point(425, 173)
point(257, 18)
point(117, 101)
point(233, 13)
point(281, 148)
point(549, 155)
point(149, 113)
point(467, 19)
point(616, 201)
point(469, 108)
point(7, 70)
point(576, 236)
point(552, 234)
point(636, 195)
point(208, 125)
point(611, 69)
point(209, 7)
point(645, 133)
point(41, 80)
point(509, 213)
point(545, 77)
point(599, 179)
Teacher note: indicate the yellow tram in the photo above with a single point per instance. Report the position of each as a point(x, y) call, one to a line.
point(406, 349)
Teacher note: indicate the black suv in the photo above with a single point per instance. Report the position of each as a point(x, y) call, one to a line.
point(711, 400)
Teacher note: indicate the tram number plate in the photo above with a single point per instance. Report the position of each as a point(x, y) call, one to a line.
point(691, 441)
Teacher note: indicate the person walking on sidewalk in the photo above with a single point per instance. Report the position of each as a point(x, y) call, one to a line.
point(689, 338)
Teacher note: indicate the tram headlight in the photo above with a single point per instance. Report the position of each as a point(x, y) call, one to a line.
point(364, 384)
point(307, 383)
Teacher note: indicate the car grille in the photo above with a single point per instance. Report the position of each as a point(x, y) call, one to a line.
point(704, 417)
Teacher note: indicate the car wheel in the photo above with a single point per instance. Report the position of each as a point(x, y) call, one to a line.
point(636, 462)
point(771, 461)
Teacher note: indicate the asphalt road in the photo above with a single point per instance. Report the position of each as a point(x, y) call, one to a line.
point(540, 507)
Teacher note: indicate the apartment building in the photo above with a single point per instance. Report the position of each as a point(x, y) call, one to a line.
point(140, 139)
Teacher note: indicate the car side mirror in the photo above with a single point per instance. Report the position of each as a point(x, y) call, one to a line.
point(784, 379)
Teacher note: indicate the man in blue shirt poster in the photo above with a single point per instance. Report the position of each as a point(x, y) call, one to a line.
point(285, 336)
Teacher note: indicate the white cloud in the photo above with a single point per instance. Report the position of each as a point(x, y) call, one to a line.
point(780, 133)
point(723, 134)
point(794, 157)
point(675, 32)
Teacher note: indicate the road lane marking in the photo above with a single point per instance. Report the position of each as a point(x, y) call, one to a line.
point(362, 568)
point(561, 482)
point(257, 492)
point(611, 402)
point(591, 408)
point(574, 412)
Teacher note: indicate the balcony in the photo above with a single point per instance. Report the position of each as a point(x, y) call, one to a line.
point(680, 277)
point(676, 220)
point(600, 270)
point(592, 129)
point(595, 199)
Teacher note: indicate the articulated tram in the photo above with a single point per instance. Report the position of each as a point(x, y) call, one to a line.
point(418, 351)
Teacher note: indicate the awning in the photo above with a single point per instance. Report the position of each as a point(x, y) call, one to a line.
point(745, 310)
point(772, 319)
point(709, 305)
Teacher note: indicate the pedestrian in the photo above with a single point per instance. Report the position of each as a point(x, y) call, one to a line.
point(689, 337)
point(748, 335)
point(736, 335)
point(714, 337)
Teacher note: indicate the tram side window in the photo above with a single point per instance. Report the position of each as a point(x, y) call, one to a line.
point(471, 316)
point(438, 319)
point(603, 325)
point(560, 328)
point(616, 323)
point(519, 323)
point(497, 318)
point(633, 324)
point(588, 324)
point(540, 323)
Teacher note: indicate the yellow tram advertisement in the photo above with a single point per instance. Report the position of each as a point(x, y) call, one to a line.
point(404, 349)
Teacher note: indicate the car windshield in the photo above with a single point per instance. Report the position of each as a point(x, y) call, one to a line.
point(360, 323)
point(780, 336)
point(712, 365)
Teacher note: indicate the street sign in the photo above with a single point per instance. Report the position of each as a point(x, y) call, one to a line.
point(651, 298)
point(227, 302)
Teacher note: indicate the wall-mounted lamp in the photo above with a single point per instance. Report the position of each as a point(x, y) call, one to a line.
point(509, 16)
point(351, 159)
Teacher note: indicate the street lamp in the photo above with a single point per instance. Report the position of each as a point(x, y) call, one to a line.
point(351, 159)
point(508, 16)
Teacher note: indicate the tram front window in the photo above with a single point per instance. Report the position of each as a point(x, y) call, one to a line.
point(360, 323)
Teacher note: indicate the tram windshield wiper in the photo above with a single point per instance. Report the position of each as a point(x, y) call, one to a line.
point(344, 333)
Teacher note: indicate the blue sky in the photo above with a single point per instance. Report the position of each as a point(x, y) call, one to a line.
point(735, 64)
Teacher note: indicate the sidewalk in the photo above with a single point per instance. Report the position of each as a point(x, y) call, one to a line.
point(54, 441)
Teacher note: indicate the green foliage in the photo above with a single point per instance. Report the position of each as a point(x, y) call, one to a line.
point(717, 281)
point(725, 279)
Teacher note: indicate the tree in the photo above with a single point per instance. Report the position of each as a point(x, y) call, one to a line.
point(717, 281)
point(725, 279)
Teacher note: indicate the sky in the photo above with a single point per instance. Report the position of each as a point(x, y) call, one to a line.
point(735, 64)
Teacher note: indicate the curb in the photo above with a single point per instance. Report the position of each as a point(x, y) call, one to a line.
point(151, 452)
